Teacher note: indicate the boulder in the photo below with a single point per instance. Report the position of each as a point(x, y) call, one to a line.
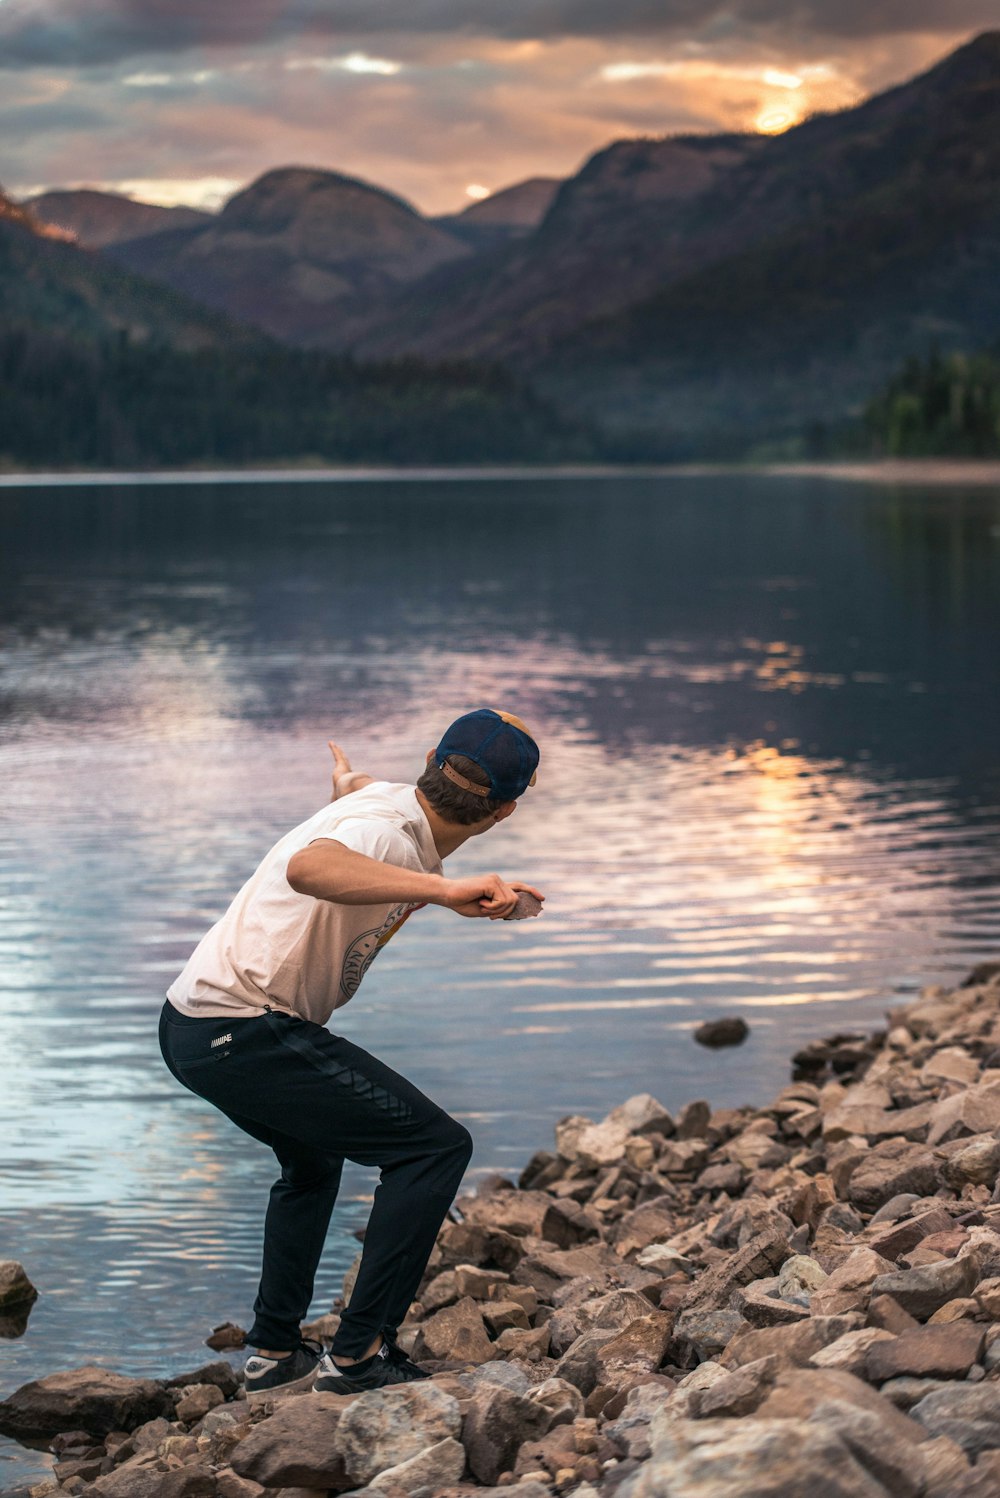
point(218, 1372)
point(497, 1423)
point(89, 1398)
point(388, 1427)
point(153, 1482)
point(974, 1162)
point(975, 1110)
point(897, 1465)
point(525, 1214)
point(562, 1401)
point(545, 1271)
point(640, 1348)
point(643, 1226)
point(982, 1482)
point(196, 1400)
point(947, 1351)
point(922, 1290)
point(750, 1458)
point(760, 1258)
point(707, 1330)
point(968, 1413)
point(298, 1445)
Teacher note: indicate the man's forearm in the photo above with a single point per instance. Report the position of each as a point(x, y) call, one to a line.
point(328, 870)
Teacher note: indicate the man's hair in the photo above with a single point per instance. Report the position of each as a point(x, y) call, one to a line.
point(449, 800)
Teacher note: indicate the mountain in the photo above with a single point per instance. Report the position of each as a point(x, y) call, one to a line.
point(697, 286)
point(49, 286)
point(300, 253)
point(508, 214)
point(95, 219)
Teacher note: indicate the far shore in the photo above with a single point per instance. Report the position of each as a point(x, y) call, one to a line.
point(904, 471)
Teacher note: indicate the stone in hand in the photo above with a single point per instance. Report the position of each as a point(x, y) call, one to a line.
point(526, 906)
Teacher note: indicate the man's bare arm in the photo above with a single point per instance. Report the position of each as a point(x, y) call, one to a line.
point(345, 780)
point(328, 870)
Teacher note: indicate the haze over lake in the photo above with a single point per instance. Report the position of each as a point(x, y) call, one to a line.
point(769, 711)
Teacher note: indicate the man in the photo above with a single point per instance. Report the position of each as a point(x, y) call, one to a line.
point(243, 1027)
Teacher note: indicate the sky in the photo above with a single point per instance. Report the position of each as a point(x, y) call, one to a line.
point(185, 101)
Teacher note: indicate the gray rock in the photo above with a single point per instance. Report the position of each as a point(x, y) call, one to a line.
point(923, 1290)
point(496, 1425)
point(708, 1332)
point(968, 1413)
point(890, 1168)
point(499, 1375)
point(897, 1465)
point(386, 1427)
point(715, 1033)
point(562, 1401)
point(749, 1459)
point(423, 1474)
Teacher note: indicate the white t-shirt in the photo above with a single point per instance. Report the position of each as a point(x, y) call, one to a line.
point(296, 953)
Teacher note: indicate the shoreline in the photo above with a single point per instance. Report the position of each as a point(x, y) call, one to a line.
point(797, 1298)
point(939, 472)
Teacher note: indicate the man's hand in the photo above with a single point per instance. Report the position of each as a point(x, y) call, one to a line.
point(484, 895)
point(345, 780)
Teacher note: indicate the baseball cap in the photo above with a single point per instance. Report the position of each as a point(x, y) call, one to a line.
point(499, 744)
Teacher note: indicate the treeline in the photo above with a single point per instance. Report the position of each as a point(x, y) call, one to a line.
point(118, 403)
point(943, 405)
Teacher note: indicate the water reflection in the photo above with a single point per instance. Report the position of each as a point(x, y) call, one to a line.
point(769, 717)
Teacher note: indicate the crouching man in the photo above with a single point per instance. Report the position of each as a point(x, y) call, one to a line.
point(244, 1028)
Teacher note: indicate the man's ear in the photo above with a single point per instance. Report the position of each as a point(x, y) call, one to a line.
point(506, 810)
point(430, 757)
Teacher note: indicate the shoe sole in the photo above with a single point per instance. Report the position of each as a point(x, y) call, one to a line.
point(257, 1397)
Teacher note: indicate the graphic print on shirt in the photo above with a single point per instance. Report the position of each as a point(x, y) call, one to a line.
point(365, 948)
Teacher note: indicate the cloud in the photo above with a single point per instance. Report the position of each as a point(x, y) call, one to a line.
point(83, 33)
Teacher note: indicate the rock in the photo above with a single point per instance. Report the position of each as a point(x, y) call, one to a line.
point(897, 1465)
point(976, 1110)
point(759, 1259)
point(944, 1464)
point(228, 1485)
point(642, 1114)
point(298, 1444)
point(643, 1226)
point(523, 1214)
point(389, 1426)
point(987, 1295)
point(127, 1482)
point(927, 1352)
point(799, 1277)
point(218, 1372)
point(708, 1331)
point(794, 1344)
point(748, 1459)
point(531, 1346)
point(480, 1284)
point(968, 1413)
point(499, 1315)
point(887, 1313)
point(715, 1033)
point(738, 1393)
point(965, 1309)
point(561, 1400)
point(578, 1365)
point(640, 1348)
point(88, 1398)
point(423, 1474)
point(226, 1336)
point(196, 1401)
point(849, 1287)
point(982, 1482)
point(923, 1290)
point(975, 1162)
point(889, 1168)
point(760, 1304)
point(496, 1425)
point(850, 1351)
point(16, 1290)
point(693, 1120)
point(456, 1333)
point(546, 1271)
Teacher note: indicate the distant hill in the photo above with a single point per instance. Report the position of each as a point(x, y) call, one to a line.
point(95, 219)
point(301, 253)
point(50, 286)
point(699, 289)
point(510, 213)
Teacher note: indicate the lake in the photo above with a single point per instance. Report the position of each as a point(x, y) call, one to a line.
point(769, 714)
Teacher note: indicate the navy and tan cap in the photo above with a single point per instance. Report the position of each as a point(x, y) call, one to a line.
point(499, 744)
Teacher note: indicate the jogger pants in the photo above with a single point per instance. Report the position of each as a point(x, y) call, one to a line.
point(316, 1099)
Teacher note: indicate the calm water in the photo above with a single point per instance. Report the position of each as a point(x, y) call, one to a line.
point(770, 715)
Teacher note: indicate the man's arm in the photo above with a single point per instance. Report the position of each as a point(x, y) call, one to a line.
point(345, 780)
point(328, 870)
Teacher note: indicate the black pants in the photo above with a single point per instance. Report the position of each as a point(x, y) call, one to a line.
point(317, 1100)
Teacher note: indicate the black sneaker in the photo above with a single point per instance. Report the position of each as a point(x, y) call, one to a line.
point(371, 1373)
point(404, 1363)
point(272, 1377)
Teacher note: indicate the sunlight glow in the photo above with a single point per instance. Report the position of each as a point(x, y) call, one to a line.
point(351, 62)
point(477, 191)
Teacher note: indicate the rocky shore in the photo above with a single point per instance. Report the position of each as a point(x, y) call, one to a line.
point(795, 1301)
